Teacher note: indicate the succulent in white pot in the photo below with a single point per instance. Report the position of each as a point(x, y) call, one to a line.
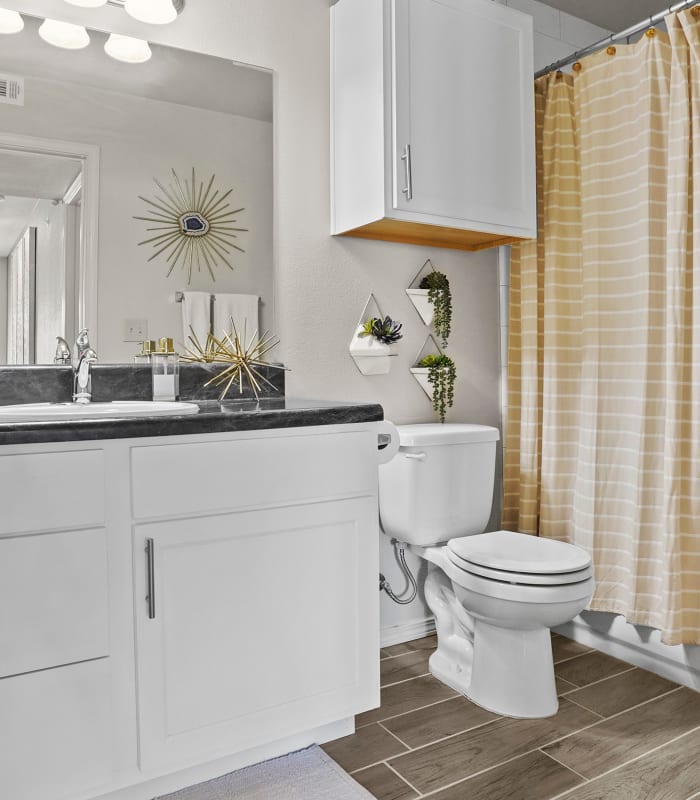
point(371, 345)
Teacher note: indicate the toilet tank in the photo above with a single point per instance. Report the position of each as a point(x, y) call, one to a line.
point(440, 483)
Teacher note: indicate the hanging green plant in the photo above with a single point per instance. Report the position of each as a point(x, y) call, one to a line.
point(384, 330)
point(441, 376)
point(440, 297)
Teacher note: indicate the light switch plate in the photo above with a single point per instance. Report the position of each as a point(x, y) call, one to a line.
point(135, 330)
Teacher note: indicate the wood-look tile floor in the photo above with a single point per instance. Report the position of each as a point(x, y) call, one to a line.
point(621, 733)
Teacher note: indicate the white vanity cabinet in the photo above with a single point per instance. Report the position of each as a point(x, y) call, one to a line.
point(175, 607)
point(433, 122)
point(255, 590)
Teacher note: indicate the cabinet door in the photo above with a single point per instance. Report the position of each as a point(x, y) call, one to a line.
point(464, 104)
point(262, 624)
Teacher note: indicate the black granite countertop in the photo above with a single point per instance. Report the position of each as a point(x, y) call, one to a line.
point(213, 417)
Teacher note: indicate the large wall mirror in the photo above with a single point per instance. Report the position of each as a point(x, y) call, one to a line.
point(92, 137)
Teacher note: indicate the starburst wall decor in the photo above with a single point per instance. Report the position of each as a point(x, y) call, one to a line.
point(198, 227)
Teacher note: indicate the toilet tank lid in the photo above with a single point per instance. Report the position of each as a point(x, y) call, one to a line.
point(424, 434)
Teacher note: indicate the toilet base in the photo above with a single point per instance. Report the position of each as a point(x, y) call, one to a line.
point(521, 684)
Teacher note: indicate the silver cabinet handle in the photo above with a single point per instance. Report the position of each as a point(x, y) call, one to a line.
point(406, 158)
point(151, 578)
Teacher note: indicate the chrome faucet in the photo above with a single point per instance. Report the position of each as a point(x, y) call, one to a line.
point(62, 351)
point(86, 357)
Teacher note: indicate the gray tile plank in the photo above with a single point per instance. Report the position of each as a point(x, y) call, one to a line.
point(618, 739)
point(401, 668)
point(436, 722)
point(563, 648)
point(670, 773)
point(407, 696)
point(425, 643)
point(590, 667)
point(364, 747)
point(531, 776)
point(465, 754)
point(383, 783)
point(616, 694)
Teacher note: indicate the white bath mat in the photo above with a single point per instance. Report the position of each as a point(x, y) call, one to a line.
point(305, 775)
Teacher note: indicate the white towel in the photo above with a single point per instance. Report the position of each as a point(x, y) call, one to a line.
point(243, 308)
point(196, 311)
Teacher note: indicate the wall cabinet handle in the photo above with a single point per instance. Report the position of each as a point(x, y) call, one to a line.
point(151, 578)
point(406, 158)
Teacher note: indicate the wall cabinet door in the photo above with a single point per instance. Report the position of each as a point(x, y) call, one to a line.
point(433, 122)
point(262, 624)
point(463, 104)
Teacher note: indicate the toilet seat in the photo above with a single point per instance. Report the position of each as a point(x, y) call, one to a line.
point(519, 553)
point(529, 578)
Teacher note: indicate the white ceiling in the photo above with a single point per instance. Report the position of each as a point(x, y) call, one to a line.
point(25, 178)
point(614, 15)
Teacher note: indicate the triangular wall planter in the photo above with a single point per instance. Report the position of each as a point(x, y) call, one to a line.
point(419, 298)
point(430, 347)
point(371, 356)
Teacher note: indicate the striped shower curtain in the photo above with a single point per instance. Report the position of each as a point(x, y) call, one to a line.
point(603, 416)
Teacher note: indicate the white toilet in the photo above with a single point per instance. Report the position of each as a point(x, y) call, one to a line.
point(494, 595)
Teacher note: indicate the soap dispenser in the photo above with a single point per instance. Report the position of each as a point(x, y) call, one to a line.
point(165, 368)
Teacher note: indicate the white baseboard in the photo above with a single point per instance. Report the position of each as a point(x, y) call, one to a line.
point(407, 631)
point(636, 645)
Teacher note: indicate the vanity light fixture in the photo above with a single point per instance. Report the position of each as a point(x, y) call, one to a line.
point(127, 49)
point(64, 34)
point(10, 21)
point(154, 12)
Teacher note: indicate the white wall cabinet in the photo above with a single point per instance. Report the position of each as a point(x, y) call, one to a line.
point(433, 122)
point(251, 627)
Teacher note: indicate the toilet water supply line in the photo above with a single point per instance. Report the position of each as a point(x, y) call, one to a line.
point(400, 552)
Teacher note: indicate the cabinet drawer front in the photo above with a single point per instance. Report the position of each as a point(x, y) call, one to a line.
point(55, 732)
point(51, 491)
point(169, 480)
point(53, 600)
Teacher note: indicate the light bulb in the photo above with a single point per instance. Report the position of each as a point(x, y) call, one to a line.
point(64, 34)
point(87, 3)
point(10, 21)
point(128, 49)
point(154, 12)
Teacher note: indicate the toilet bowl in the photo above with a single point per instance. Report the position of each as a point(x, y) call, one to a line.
point(494, 595)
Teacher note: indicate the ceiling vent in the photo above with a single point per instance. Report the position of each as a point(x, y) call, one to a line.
point(11, 89)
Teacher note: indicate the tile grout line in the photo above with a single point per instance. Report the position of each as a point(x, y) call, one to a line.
point(571, 658)
point(569, 700)
point(571, 769)
point(404, 680)
point(632, 761)
point(446, 738)
point(410, 711)
point(593, 683)
point(605, 719)
point(400, 777)
point(398, 739)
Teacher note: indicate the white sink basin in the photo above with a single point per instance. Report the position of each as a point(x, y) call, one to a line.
point(48, 412)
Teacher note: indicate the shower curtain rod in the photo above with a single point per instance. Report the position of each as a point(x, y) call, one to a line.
point(615, 37)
